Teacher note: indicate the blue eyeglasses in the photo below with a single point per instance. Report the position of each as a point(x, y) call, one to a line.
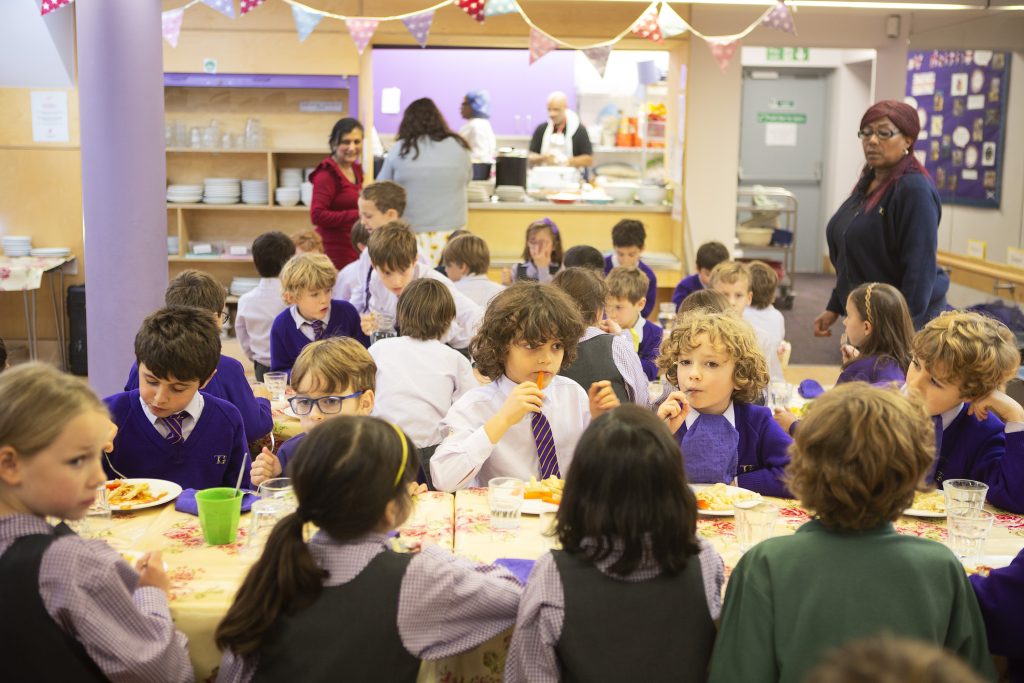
point(328, 405)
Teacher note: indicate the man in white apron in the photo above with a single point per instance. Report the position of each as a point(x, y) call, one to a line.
point(562, 141)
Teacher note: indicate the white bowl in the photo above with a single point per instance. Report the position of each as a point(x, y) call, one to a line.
point(651, 195)
point(755, 237)
point(621, 193)
point(306, 193)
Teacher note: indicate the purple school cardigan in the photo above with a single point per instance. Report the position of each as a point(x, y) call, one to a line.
point(1001, 598)
point(873, 370)
point(650, 349)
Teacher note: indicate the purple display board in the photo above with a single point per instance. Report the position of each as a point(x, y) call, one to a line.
point(446, 75)
point(960, 97)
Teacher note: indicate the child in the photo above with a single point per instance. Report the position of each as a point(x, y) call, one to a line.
point(393, 254)
point(584, 256)
point(601, 355)
point(448, 239)
point(704, 300)
point(709, 255)
point(732, 279)
point(885, 659)
point(167, 428)
point(348, 277)
point(74, 610)
point(628, 237)
point(598, 609)
point(198, 289)
point(1001, 597)
point(714, 361)
point(766, 320)
point(345, 602)
point(860, 454)
point(960, 360)
point(529, 331)
point(466, 259)
point(542, 255)
point(879, 331)
point(627, 290)
point(332, 377)
point(306, 284)
point(419, 377)
point(258, 307)
point(308, 242)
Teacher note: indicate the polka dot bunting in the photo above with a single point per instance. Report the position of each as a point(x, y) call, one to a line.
point(247, 6)
point(723, 52)
point(225, 7)
point(171, 25)
point(540, 44)
point(496, 7)
point(419, 26)
point(780, 19)
point(474, 8)
point(361, 31)
point(51, 5)
point(647, 26)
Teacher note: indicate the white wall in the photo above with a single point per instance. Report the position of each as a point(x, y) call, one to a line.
point(36, 51)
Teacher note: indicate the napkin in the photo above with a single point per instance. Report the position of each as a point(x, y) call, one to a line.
point(810, 389)
point(186, 502)
point(520, 568)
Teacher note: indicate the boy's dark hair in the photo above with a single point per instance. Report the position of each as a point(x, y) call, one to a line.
point(196, 288)
point(710, 254)
point(763, 282)
point(642, 502)
point(386, 195)
point(392, 246)
point(525, 312)
point(270, 251)
point(585, 288)
point(360, 235)
point(470, 251)
point(426, 309)
point(629, 233)
point(182, 342)
point(584, 256)
point(3, 355)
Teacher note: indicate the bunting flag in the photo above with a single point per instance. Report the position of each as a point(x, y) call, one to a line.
point(723, 51)
point(474, 8)
point(496, 7)
point(171, 21)
point(598, 57)
point(361, 31)
point(51, 5)
point(225, 7)
point(780, 19)
point(419, 26)
point(647, 25)
point(670, 23)
point(247, 6)
point(305, 21)
point(540, 44)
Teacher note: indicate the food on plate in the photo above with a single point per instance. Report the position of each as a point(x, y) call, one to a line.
point(549, 490)
point(721, 497)
point(980, 569)
point(124, 495)
point(932, 501)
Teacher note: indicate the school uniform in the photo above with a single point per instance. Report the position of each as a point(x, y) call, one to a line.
point(761, 450)
point(577, 621)
point(873, 370)
point(287, 451)
point(602, 356)
point(210, 453)
point(347, 281)
point(610, 261)
point(983, 450)
point(74, 611)
point(291, 332)
point(380, 613)
point(466, 457)
point(646, 338)
point(229, 383)
point(526, 270)
point(365, 270)
point(687, 286)
point(479, 288)
point(770, 327)
point(1001, 598)
point(257, 310)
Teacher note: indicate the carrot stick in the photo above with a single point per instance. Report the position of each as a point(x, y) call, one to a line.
point(540, 380)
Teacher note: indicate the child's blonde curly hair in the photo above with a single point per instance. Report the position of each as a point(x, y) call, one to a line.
point(726, 332)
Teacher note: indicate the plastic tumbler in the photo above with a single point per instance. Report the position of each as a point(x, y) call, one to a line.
point(219, 510)
point(505, 498)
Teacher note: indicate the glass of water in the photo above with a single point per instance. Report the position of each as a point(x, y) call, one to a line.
point(968, 528)
point(97, 519)
point(755, 521)
point(276, 383)
point(780, 395)
point(505, 499)
point(277, 501)
point(385, 327)
point(964, 493)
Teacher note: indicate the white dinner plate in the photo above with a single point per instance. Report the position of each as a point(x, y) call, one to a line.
point(928, 514)
point(156, 487)
point(732, 490)
point(536, 506)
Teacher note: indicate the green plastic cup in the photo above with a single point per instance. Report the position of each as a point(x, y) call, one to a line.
point(219, 510)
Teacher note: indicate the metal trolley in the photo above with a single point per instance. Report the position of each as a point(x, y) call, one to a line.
point(766, 229)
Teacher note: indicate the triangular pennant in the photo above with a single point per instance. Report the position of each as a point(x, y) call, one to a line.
point(246, 6)
point(474, 8)
point(305, 21)
point(723, 51)
point(225, 7)
point(419, 26)
point(171, 22)
point(598, 57)
point(647, 25)
point(540, 44)
point(780, 19)
point(496, 7)
point(361, 31)
point(670, 22)
point(51, 5)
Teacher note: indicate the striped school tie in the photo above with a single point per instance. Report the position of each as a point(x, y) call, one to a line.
point(546, 453)
point(173, 424)
point(318, 329)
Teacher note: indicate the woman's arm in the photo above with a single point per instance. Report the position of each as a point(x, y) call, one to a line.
point(915, 215)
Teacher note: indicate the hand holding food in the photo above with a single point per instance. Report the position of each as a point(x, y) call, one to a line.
point(602, 398)
point(674, 410)
point(151, 572)
point(265, 466)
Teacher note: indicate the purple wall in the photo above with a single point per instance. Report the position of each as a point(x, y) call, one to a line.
point(446, 75)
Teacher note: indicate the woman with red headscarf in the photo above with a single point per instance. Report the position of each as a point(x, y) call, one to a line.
point(887, 231)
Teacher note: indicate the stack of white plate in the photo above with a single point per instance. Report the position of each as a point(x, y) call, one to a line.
point(51, 252)
point(184, 194)
point(510, 193)
point(17, 245)
point(290, 177)
point(221, 190)
point(254, 192)
point(172, 245)
point(478, 191)
point(241, 285)
point(287, 196)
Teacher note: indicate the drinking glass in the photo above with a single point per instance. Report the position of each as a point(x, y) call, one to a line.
point(277, 501)
point(195, 137)
point(276, 383)
point(968, 528)
point(385, 327)
point(780, 395)
point(666, 314)
point(547, 529)
point(505, 499)
point(755, 521)
point(964, 493)
point(655, 390)
point(97, 518)
point(278, 489)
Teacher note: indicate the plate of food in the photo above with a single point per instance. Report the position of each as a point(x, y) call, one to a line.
point(931, 504)
point(542, 496)
point(987, 563)
point(717, 499)
point(137, 494)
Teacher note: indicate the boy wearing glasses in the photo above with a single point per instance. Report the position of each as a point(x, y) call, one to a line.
point(331, 377)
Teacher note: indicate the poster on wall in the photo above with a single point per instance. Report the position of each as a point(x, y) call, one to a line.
point(960, 97)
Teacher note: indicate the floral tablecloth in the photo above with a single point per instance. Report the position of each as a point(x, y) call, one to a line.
point(26, 272)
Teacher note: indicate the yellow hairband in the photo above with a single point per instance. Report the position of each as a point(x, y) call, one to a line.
point(405, 452)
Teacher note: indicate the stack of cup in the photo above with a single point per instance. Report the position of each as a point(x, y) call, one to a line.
point(967, 521)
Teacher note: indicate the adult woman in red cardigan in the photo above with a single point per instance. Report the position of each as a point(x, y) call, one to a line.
point(337, 182)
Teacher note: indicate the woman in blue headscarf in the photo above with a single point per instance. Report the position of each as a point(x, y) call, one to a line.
point(476, 109)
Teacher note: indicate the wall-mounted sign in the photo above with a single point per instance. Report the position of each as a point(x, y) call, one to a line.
point(779, 117)
point(788, 54)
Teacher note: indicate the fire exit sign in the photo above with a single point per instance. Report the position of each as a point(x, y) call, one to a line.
point(788, 54)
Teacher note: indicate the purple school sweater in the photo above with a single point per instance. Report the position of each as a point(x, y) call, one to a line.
point(211, 456)
point(287, 451)
point(983, 451)
point(230, 385)
point(650, 349)
point(873, 370)
point(687, 286)
point(287, 341)
point(763, 450)
point(652, 284)
point(1001, 598)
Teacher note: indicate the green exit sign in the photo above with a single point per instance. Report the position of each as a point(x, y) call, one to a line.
point(788, 54)
point(780, 117)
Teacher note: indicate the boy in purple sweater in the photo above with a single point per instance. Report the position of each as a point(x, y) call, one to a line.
point(628, 238)
point(960, 362)
point(306, 283)
point(167, 428)
point(1001, 598)
point(627, 297)
point(709, 255)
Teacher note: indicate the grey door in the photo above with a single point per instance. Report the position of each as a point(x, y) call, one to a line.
point(782, 143)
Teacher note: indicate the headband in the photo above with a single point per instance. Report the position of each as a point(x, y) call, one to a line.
point(551, 224)
point(867, 302)
point(405, 452)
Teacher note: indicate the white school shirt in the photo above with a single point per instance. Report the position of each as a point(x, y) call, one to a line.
point(358, 296)
point(194, 410)
point(306, 326)
point(257, 310)
point(348, 280)
point(467, 314)
point(417, 382)
point(480, 288)
point(467, 457)
point(770, 327)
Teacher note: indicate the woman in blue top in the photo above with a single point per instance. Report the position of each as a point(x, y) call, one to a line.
point(887, 231)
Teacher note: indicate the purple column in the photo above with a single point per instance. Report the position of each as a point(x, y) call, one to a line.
point(121, 101)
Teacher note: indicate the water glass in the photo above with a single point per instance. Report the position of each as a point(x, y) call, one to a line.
point(505, 499)
point(195, 137)
point(666, 314)
point(277, 501)
point(385, 327)
point(278, 489)
point(547, 530)
point(97, 518)
point(655, 390)
point(964, 493)
point(755, 521)
point(780, 395)
point(276, 383)
point(968, 528)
